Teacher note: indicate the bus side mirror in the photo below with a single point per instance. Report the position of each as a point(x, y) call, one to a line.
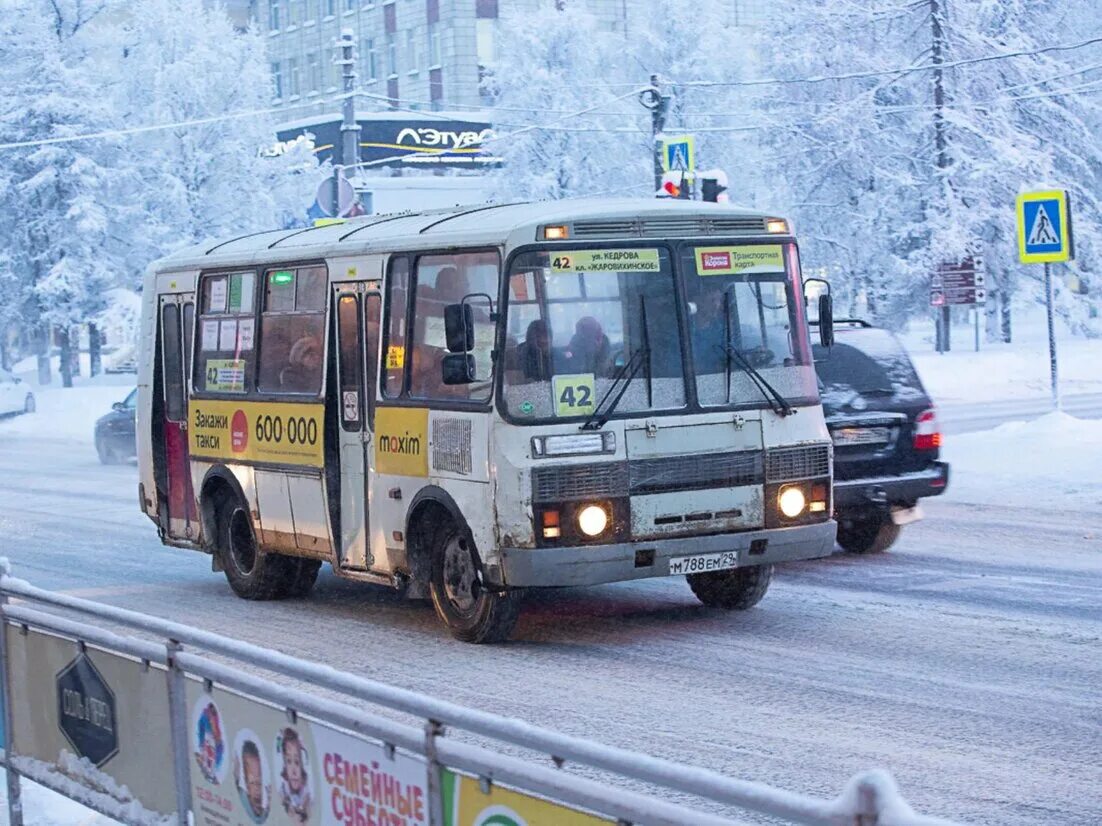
point(459, 327)
point(457, 368)
point(826, 320)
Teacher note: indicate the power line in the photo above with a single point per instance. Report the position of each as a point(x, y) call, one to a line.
point(902, 70)
point(136, 130)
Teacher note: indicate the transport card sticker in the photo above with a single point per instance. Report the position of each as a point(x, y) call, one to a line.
point(744, 260)
point(574, 394)
point(624, 260)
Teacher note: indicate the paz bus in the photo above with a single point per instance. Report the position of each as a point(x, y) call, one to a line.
point(466, 403)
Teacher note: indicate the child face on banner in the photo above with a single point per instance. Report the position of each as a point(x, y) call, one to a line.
point(292, 765)
point(254, 783)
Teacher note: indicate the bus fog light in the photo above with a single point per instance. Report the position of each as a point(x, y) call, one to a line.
point(592, 520)
point(791, 502)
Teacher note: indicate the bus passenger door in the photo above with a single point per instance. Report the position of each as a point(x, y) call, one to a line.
point(177, 320)
point(358, 313)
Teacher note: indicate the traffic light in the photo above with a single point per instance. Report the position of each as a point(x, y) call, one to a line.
point(676, 185)
point(713, 186)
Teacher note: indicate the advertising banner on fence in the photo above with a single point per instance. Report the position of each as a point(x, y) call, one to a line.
point(100, 719)
point(467, 804)
point(251, 764)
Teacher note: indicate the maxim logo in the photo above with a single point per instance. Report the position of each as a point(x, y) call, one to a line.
point(715, 261)
point(406, 445)
point(441, 138)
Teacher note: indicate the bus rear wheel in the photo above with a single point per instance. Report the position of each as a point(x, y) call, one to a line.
point(736, 589)
point(472, 612)
point(252, 573)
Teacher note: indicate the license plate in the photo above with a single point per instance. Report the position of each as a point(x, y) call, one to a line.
point(702, 563)
point(861, 436)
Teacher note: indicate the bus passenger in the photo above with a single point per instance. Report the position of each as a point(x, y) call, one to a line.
point(533, 355)
point(303, 373)
point(589, 350)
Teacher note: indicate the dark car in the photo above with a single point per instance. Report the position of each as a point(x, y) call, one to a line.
point(885, 432)
point(116, 439)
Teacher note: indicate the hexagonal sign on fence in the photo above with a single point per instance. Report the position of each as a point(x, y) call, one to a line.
point(86, 711)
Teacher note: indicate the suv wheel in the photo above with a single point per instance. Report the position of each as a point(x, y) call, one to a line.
point(867, 533)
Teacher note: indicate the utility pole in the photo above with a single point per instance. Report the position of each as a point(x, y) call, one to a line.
point(659, 105)
point(1054, 378)
point(937, 57)
point(350, 129)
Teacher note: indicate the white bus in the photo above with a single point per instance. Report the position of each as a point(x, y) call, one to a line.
point(466, 403)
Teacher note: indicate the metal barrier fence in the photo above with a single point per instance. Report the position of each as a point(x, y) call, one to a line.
point(148, 731)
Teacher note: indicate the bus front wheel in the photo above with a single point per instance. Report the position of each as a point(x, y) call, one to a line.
point(735, 589)
point(252, 573)
point(471, 612)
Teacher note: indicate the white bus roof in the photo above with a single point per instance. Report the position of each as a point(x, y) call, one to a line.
point(589, 220)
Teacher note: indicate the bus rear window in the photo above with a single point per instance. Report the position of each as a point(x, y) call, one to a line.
point(226, 343)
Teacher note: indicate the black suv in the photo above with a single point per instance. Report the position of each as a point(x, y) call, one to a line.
point(885, 433)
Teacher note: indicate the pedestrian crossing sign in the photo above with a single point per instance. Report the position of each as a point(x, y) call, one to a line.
point(679, 154)
point(1044, 227)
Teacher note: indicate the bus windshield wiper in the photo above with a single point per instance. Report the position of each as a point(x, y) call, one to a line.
point(622, 380)
point(778, 403)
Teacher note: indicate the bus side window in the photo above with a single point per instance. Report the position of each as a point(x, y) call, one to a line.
point(225, 345)
point(175, 403)
point(348, 336)
point(292, 328)
point(373, 307)
point(444, 280)
point(394, 342)
point(189, 334)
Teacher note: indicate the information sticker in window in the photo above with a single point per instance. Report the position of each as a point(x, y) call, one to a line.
point(750, 259)
point(623, 260)
point(225, 375)
point(574, 394)
point(395, 357)
point(217, 296)
point(208, 335)
point(246, 333)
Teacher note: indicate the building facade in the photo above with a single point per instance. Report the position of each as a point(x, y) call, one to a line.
point(413, 54)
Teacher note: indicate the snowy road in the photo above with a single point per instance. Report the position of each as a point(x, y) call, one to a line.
point(968, 418)
point(968, 661)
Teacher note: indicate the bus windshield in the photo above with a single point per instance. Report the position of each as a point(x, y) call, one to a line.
point(745, 312)
point(583, 323)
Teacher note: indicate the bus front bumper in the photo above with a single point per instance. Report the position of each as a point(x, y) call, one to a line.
point(594, 564)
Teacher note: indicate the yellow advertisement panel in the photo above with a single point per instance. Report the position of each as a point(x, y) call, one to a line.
point(466, 804)
point(289, 433)
point(624, 260)
point(750, 259)
point(402, 441)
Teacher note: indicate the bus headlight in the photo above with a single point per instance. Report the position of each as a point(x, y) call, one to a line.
point(592, 520)
point(791, 501)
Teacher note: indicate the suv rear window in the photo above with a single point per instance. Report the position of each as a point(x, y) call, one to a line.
point(869, 362)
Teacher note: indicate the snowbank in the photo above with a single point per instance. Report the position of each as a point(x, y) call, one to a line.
point(68, 414)
point(1054, 461)
point(42, 807)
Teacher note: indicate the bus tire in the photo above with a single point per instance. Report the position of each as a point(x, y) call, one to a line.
point(867, 533)
point(306, 574)
point(252, 573)
point(471, 612)
point(735, 590)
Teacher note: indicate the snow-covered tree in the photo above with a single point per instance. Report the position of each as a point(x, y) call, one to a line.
point(54, 224)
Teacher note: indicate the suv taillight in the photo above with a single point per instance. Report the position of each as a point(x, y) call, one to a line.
point(927, 435)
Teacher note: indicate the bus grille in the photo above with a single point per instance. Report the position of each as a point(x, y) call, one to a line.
point(720, 470)
point(669, 227)
point(643, 476)
point(789, 463)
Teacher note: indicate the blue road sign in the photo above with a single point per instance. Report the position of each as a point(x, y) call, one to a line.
point(679, 154)
point(1044, 227)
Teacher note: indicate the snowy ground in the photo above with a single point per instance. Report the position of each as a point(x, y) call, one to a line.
point(966, 661)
